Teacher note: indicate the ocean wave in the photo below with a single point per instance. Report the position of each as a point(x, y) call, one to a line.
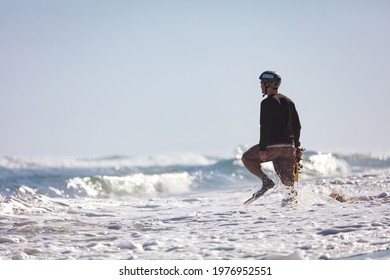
point(121, 176)
point(323, 164)
point(360, 162)
point(133, 185)
point(143, 161)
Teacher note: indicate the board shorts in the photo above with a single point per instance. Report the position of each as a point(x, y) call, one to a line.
point(282, 157)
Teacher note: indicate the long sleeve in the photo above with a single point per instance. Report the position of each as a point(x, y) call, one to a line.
point(296, 128)
point(268, 111)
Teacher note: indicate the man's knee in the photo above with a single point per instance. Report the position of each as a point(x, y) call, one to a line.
point(245, 159)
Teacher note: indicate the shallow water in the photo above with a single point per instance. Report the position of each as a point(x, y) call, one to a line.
point(194, 221)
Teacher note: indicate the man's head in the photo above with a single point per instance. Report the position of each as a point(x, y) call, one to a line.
point(270, 80)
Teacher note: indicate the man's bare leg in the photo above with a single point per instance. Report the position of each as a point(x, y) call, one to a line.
point(254, 167)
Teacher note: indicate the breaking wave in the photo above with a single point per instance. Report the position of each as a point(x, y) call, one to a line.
point(146, 176)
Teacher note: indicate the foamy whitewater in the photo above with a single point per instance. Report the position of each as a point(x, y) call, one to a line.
point(190, 206)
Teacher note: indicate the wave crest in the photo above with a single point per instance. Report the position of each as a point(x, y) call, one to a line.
point(133, 185)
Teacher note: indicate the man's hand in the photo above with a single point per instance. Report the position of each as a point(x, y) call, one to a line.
point(299, 154)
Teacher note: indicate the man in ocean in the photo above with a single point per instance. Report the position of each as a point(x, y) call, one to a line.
point(279, 137)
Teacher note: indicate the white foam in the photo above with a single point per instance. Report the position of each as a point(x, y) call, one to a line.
point(212, 225)
point(159, 160)
point(125, 217)
point(134, 185)
point(325, 165)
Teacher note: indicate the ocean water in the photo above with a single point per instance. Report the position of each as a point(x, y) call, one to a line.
point(190, 206)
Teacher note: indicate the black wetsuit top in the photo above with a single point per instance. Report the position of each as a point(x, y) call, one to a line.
point(279, 122)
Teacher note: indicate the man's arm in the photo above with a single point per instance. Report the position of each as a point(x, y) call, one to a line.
point(296, 129)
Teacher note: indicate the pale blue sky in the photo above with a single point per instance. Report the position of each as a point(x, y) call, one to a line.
point(146, 77)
